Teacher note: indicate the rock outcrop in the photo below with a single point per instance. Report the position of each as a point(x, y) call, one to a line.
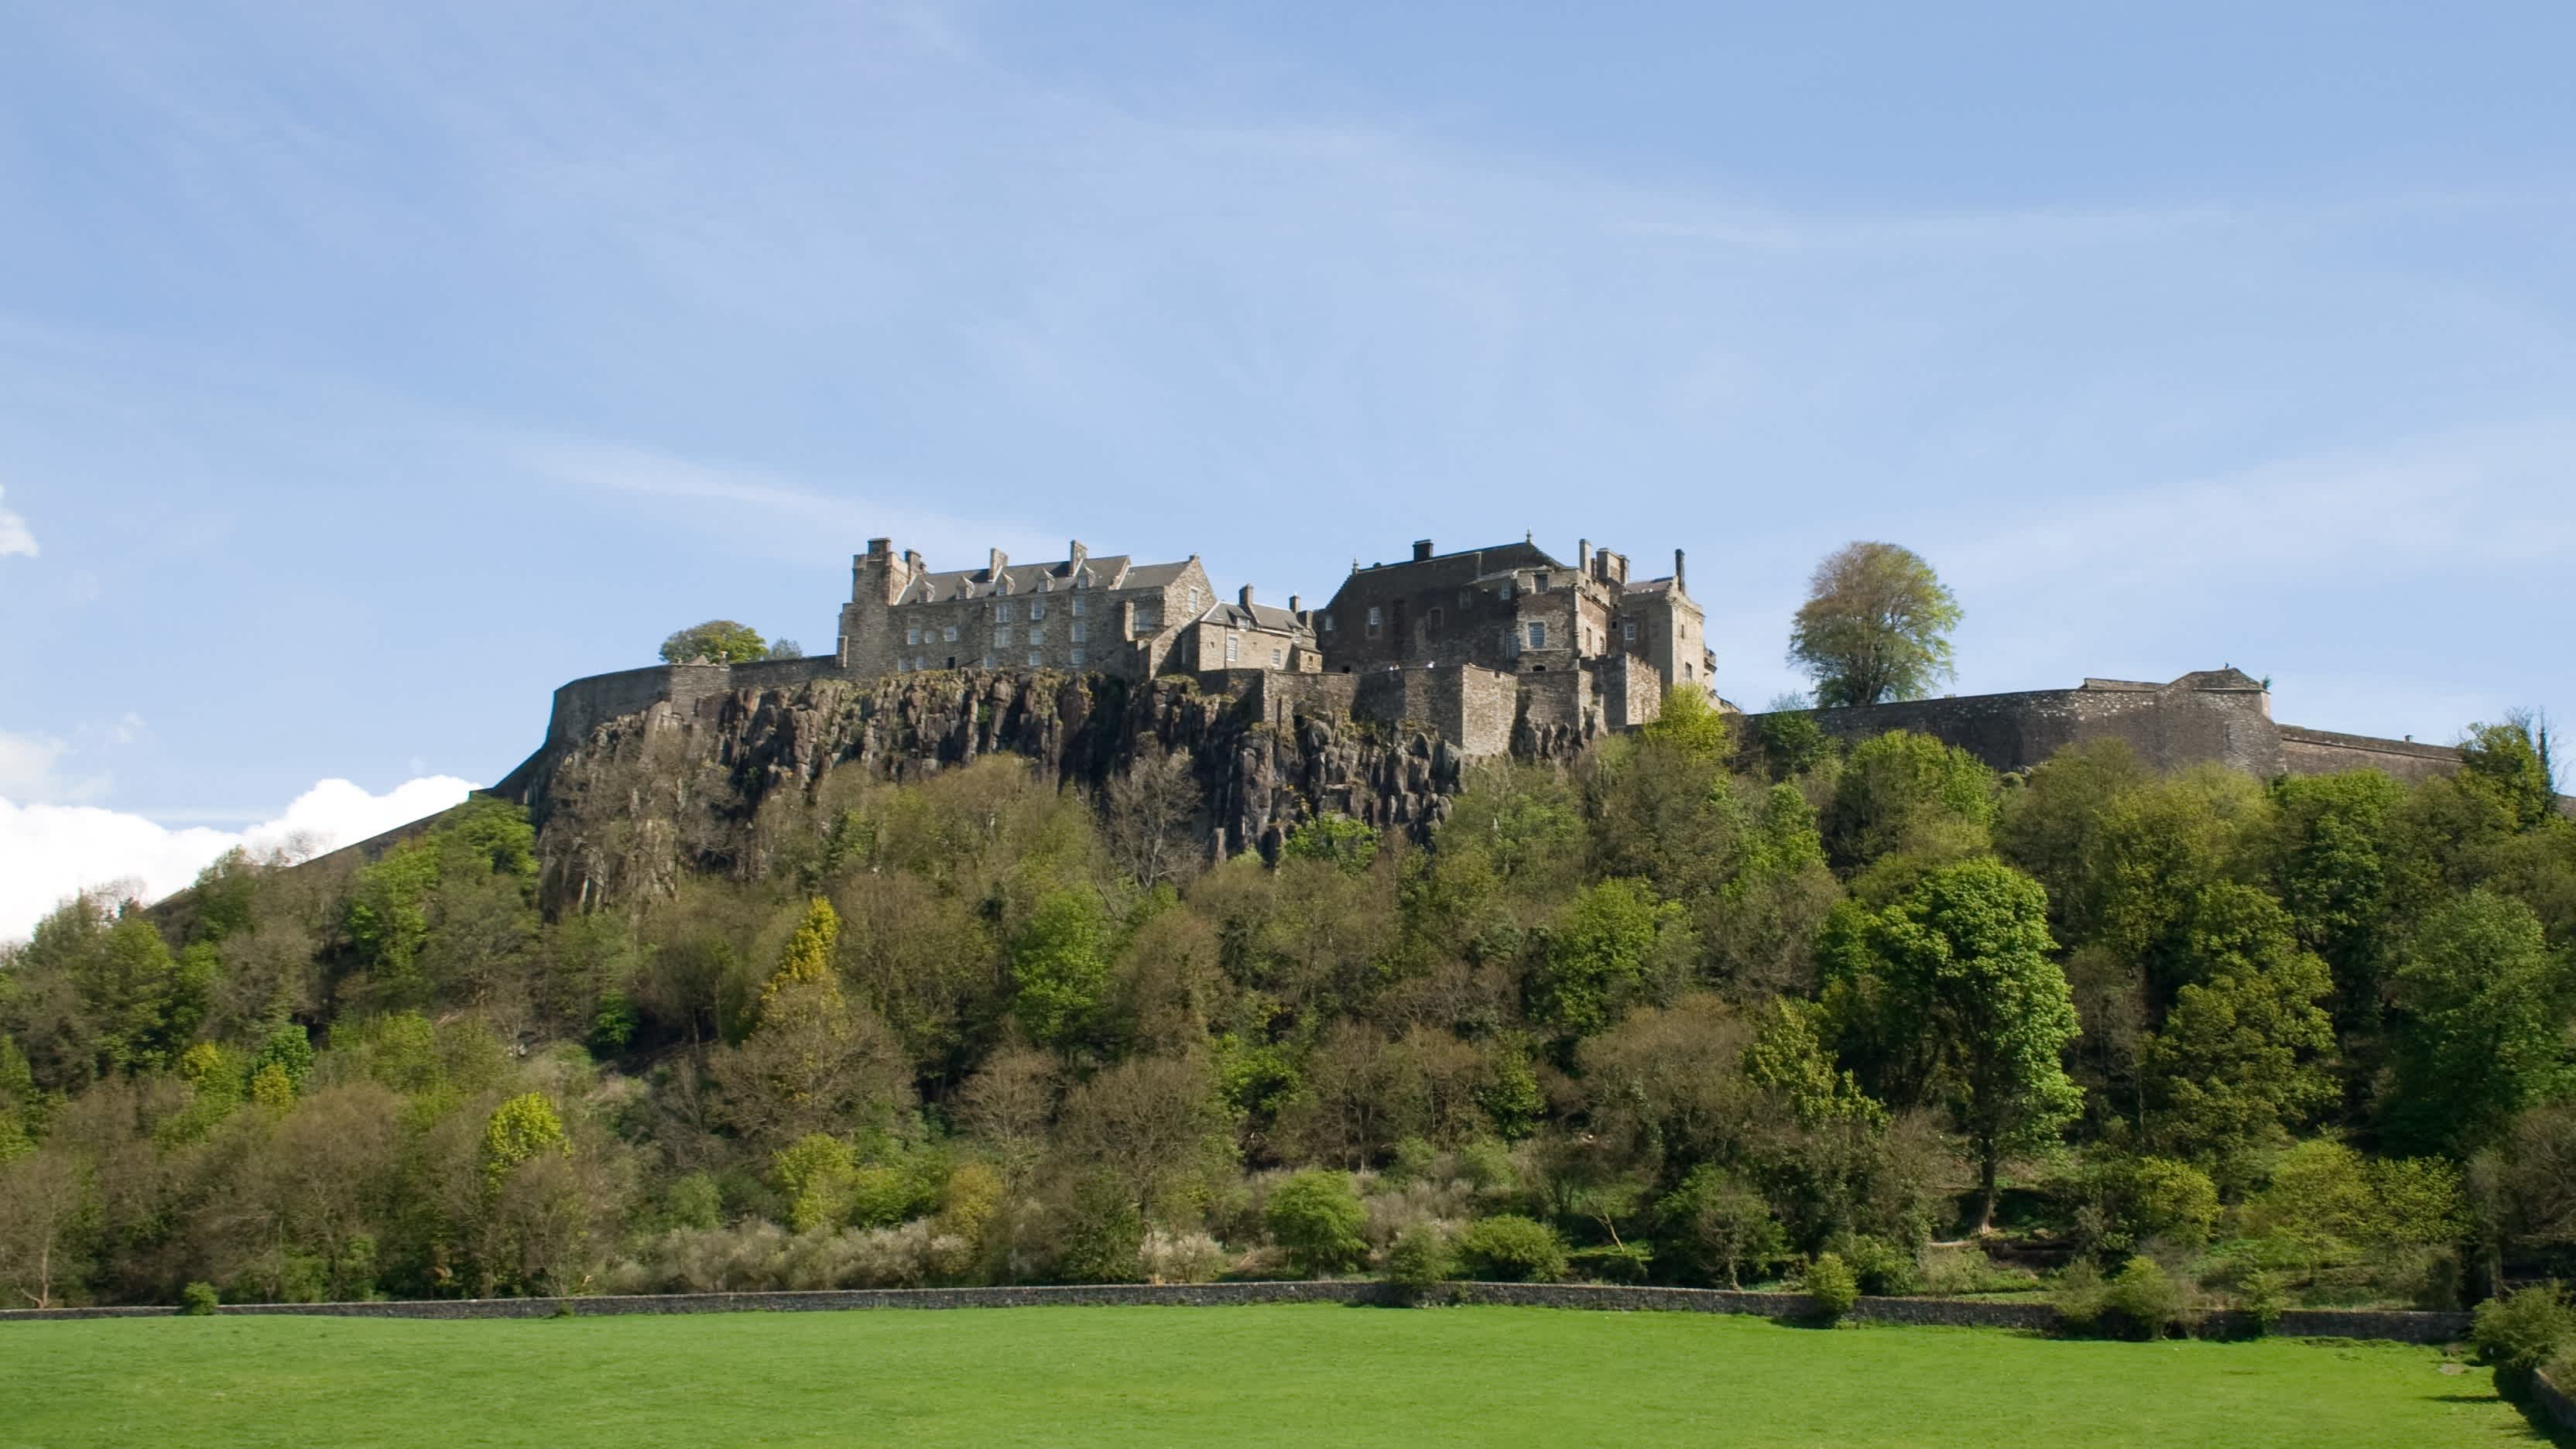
point(641, 798)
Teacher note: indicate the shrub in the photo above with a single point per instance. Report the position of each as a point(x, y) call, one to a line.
point(2079, 1295)
point(1180, 1257)
point(198, 1298)
point(1830, 1286)
point(2172, 1200)
point(1878, 1265)
point(1315, 1219)
point(1511, 1249)
point(2263, 1295)
point(1612, 1262)
point(1487, 1164)
point(2147, 1298)
point(2519, 1333)
point(1959, 1268)
point(1420, 1258)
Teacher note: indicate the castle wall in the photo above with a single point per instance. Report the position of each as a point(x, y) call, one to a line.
point(2324, 752)
point(2169, 728)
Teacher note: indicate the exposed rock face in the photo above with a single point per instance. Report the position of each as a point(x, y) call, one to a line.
point(645, 796)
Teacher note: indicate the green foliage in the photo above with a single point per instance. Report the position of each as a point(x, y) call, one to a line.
point(2149, 1302)
point(1102, 1233)
point(1964, 958)
point(817, 1175)
point(2246, 1051)
point(1721, 1226)
point(1600, 950)
point(1334, 839)
point(2484, 1035)
point(720, 641)
point(1315, 1219)
point(1690, 726)
point(524, 1127)
point(1509, 1248)
point(1877, 1264)
point(1060, 967)
point(1790, 743)
point(1830, 1287)
point(2523, 1330)
point(199, 1299)
point(1904, 792)
point(2263, 1296)
point(1876, 626)
point(2503, 763)
point(289, 1049)
point(1420, 1257)
point(807, 961)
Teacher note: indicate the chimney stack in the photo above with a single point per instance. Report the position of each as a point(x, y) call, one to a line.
point(1421, 549)
point(996, 563)
point(1292, 605)
point(1678, 586)
point(1583, 555)
point(1075, 553)
point(1245, 598)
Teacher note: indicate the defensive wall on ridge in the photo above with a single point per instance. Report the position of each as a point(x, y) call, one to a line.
point(2218, 716)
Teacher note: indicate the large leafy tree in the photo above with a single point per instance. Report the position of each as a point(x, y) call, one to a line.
point(1876, 626)
point(2484, 1035)
point(1964, 957)
point(720, 640)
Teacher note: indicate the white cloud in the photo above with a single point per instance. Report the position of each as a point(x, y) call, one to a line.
point(49, 851)
point(14, 537)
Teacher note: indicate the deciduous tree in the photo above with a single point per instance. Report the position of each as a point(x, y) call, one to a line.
point(1876, 626)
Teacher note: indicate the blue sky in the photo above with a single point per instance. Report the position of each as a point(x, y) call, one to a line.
point(367, 371)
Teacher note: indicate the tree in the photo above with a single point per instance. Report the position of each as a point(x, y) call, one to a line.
point(2484, 1034)
point(1965, 955)
point(1315, 1218)
point(1722, 1225)
point(721, 641)
point(1876, 626)
point(1901, 791)
point(1150, 806)
point(1600, 949)
point(1060, 967)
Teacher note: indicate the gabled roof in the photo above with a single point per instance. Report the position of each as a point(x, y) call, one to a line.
point(1099, 571)
point(1263, 617)
point(1650, 586)
point(1452, 569)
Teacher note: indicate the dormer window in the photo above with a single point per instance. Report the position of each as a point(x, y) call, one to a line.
point(1376, 621)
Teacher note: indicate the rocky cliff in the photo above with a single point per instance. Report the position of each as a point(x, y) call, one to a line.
point(639, 798)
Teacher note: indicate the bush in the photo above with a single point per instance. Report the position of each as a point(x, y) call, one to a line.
point(1952, 1269)
point(1180, 1257)
point(2263, 1295)
point(1420, 1258)
point(1830, 1286)
point(1877, 1264)
point(1315, 1219)
point(198, 1298)
point(1511, 1249)
point(1612, 1262)
point(2518, 1334)
point(2147, 1298)
point(2079, 1295)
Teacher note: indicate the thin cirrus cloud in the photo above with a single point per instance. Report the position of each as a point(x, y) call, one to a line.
point(48, 852)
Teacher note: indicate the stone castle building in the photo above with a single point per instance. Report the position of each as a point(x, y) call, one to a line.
point(1498, 637)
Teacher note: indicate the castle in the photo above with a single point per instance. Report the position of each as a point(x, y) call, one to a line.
point(1508, 629)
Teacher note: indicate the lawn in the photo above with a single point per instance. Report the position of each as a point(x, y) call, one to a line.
point(1288, 1375)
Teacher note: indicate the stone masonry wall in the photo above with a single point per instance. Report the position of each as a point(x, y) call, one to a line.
point(2422, 1328)
point(2168, 728)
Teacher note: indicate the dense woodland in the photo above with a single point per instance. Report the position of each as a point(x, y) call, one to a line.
point(1712, 1003)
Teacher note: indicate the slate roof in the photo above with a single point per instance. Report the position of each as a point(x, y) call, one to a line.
point(1099, 571)
point(1263, 617)
point(1463, 567)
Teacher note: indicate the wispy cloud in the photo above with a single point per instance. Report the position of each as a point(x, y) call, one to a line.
point(15, 538)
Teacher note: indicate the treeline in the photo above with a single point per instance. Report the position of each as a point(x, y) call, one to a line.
point(1703, 1009)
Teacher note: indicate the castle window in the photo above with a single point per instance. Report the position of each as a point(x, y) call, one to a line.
point(1328, 623)
point(1507, 593)
point(1538, 583)
point(912, 636)
point(1375, 621)
point(1431, 620)
point(1538, 636)
point(1001, 612)
point(1002, 637)
point(1628, 631)
point(988, 661)
point(1037, 634)
point(948, 635)
point(1230, 641)
point(1074, 631)
point(1037, 608)
point(1076, 656)
point(1075, 606)
point(1034, 659)
point(1686, 671)
point(1274, 659)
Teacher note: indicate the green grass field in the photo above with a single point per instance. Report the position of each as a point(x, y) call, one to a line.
point(1295, 1375)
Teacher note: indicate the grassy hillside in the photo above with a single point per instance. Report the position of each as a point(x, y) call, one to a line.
point(1296, 1375)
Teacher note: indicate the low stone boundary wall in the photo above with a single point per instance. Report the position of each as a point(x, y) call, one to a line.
point(2552, 1399)
point(1952, 1312)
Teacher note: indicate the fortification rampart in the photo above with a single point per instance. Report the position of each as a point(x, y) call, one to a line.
point(2209, 717)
